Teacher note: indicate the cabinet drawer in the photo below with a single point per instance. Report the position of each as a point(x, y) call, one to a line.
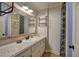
point(26, 53)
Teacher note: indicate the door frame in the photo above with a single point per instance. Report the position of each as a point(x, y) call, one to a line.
point(73, 41)
point(74, 23)
point(66, 29)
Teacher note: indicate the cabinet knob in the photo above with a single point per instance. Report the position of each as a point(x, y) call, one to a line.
point(71, 46)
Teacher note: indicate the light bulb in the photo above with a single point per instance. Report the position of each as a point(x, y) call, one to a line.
point(30, 10)
point(25, 7)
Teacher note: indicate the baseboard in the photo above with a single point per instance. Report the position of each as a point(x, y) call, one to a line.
point(54, 52)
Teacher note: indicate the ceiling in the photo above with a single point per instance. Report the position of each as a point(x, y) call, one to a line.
point(43, 5)
point(38, 5)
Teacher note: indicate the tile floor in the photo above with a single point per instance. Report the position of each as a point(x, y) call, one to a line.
point(48, 54)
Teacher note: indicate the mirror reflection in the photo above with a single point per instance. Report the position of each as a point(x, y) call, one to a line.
point(17, 23)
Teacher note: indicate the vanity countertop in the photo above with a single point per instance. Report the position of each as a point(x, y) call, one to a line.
point(14, 48)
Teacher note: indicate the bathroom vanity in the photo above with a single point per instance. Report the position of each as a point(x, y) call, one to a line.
point(33, 47)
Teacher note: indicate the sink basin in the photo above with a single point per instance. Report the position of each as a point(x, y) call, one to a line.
point(30, 40)
point(19, 41)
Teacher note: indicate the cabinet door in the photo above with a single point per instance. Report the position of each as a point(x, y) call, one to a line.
point(42, 47)
point(36, 54)
point(36, 50)
point(26, 53)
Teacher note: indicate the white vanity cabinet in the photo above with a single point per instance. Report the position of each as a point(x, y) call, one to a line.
point(35, 50)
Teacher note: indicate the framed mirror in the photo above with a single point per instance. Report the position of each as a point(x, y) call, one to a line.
point(17, 23)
